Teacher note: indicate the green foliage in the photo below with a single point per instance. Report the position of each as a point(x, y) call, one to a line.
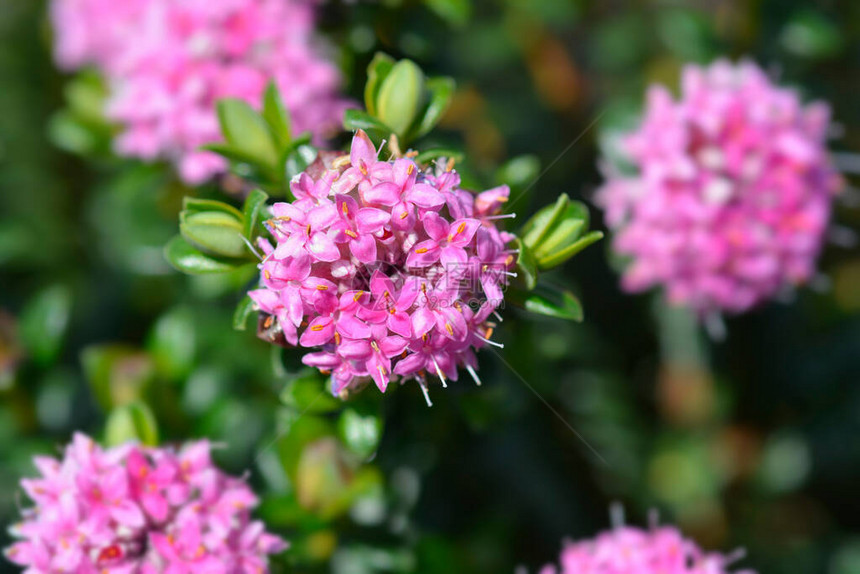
point(400, 100)
point(132, 422)
point(260, 145)
point(558, 232)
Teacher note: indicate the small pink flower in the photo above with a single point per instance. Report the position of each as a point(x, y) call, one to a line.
point(378, 265)
point(732, 194)
point(132, 509)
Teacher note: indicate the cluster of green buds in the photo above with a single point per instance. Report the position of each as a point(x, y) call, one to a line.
point(400, 101)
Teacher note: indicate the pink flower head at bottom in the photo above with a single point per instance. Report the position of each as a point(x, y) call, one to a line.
point(629, 550)
point(138, 510)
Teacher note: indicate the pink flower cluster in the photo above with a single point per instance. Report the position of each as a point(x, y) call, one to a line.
point(168, 62)
point(733, 192)
point(628, 550)
point(389, 271)
point(136, 510)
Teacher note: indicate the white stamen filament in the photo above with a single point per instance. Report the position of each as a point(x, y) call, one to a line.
point(439, 374)
point(474, 375)
point(489, 342)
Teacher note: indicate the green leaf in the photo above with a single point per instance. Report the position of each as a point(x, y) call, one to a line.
point(243, 310)
point(519, 172)
point(195, 205)
point(276, 115)
point(214, 233)
point(377, 71)
point(117, 374)
point(298, 160)
point(360, 431)
point(43, 324)
point(359, 120)
point(255, 206)
point(557, 258)
point(429, 155)
point(540, 224)
point(234, 155)
point(554, 302)
point(526, 265)
point(246, 131)
point(455, 12)
point(172, 344)
point(441, 93)
point(132, 422)
point(400, 97)
point(183, 257)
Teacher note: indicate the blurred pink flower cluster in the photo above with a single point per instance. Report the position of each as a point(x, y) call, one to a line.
point(732, 194)
point(130, 510)
point(168, 62)
point(628, 550)
point(393, 272)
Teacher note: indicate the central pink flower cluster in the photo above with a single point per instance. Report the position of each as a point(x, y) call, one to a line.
point(136, 510)
point(733, 192)
point(390, 270)
point(628, 550)
point(168, 62)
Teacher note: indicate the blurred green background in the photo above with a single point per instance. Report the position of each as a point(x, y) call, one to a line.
point(751, 442)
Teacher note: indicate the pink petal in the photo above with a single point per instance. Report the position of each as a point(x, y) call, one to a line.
point(426, 196)
point(371, 220)
point(400, 323)
point(318, 333)
point(385, 193)
point(364, 248)
point(435, 226)
point(462, 231)
point(362, 152)
point(423, 254)
point(323, 248)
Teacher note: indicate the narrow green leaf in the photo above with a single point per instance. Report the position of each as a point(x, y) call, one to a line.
point(557, 258)
point(441, 93)
point(526, 265)
point(234, 155)
point(358, 120)
point(276, 115)
point(246, 131)
point(554, 302)
point(254, 208)
point(183, 257)
point(195, 205)
point(244, 309)
point(377, 71)
point(536, 228)
point(132, 422)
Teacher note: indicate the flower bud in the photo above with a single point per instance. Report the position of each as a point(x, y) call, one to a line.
point(401, 96)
